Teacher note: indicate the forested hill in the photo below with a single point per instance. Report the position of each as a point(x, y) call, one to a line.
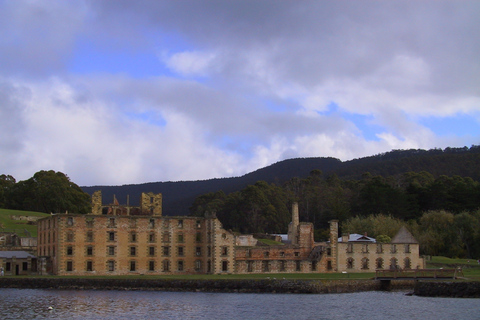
point(179, 196)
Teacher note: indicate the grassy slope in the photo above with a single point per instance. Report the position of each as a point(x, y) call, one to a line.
point(8, 224)
point(470, 267)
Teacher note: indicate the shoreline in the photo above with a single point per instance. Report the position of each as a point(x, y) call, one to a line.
point(220, 285)
point(452, 289)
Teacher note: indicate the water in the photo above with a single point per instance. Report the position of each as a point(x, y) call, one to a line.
point(90, 304)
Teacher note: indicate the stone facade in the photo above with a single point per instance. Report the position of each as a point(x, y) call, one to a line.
point(122, 240)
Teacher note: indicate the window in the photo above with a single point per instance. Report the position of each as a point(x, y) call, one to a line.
point(198, 251)
point(111, 265)
point(180, 224)
point(198, 237)
point(365, 263)
point(133, 265)
point(282, 254)
point(250, 266)
point(407, 263)
point(89, 266)
point(314, 265)
point(111, 222)
point(329, 265)
point(151, 224)
point(393, 263)
point(166, 251)
point(180, 238)
point(180, 251)
point(350, 248)
point(224, 266)
point(198, 265)
point(89, 251)
point(180, 265)
point(224, 251)
point(166, 223)
point(151, 251)
point(133, 237)
point(296, 254)
point(151, 265)
point(266, 254)
point(393, 248)
point(151, 237)
point(224, 236)
point(364, 248)
point(69, 251)
point(25, 266)
point(209, 251)
point(379, 248)
point(69, 265)
point(266, 266)
point(329, 251)
point(70, 236)
point(166, 265)
point(133, 251)
point(7, 266)
point(298, 266)
point(69, 221)
point(199, 224)
point(379, 263)
point(111, 250)
point(407, 248)
point(89, 237)
point(283, 264)
point(111, 236)
point(166, 237)
point(350, 263)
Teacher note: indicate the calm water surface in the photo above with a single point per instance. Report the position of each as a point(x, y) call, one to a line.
point(90, 304)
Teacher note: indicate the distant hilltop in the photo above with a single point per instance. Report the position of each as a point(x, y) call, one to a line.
point(179, 196)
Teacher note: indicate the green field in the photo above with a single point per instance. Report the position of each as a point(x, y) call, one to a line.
point(7, 224)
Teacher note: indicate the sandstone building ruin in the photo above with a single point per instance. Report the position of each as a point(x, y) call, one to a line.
point(122, 240)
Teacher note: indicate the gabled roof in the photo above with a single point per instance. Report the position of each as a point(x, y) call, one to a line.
point(16, 254)
point(404, 236)
point(355, 237)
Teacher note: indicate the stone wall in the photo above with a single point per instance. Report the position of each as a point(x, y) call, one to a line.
point(247, 285)
point(447, 289)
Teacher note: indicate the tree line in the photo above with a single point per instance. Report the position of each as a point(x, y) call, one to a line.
point(46, 191)
point(432, 207)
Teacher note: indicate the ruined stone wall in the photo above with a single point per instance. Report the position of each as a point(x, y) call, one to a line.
point(118, 245)
point(367, 257)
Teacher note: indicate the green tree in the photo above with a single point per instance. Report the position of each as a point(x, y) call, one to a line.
point(49, 192)
point(6, 184)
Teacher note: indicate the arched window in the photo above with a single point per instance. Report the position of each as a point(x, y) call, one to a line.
point(365, 263)
point(379, 263)
point(350, 263)
point(393, 263)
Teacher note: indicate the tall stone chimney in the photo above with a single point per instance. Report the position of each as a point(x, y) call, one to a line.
point(293, 226)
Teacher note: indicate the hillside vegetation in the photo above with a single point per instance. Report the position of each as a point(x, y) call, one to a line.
point(8, 224)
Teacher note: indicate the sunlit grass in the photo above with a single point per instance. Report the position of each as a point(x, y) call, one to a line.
point(19, 226)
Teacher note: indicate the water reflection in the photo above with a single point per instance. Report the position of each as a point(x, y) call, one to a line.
point(69, 304)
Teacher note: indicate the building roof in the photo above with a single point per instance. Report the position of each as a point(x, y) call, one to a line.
point(355, 237)
point(404, 236)
point(16, 254)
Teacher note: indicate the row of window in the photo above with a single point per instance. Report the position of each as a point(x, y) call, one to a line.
point(111, 251)
point(112, 223)
point(380, 263)
point(379, 248)
point(266, 254)
point(111, 266)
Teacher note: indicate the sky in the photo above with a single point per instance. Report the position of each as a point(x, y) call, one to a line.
point(125, 92)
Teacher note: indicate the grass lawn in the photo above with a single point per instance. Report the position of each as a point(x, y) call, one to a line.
point(19, 226)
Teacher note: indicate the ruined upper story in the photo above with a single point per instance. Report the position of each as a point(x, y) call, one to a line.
point(150, 205)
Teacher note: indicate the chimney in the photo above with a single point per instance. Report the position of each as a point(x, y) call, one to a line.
point(345, 237)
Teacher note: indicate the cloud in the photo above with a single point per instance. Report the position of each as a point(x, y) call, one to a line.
point(220, 88)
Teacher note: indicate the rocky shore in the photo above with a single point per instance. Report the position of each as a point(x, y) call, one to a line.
point(470, 289)
point(241, 285)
